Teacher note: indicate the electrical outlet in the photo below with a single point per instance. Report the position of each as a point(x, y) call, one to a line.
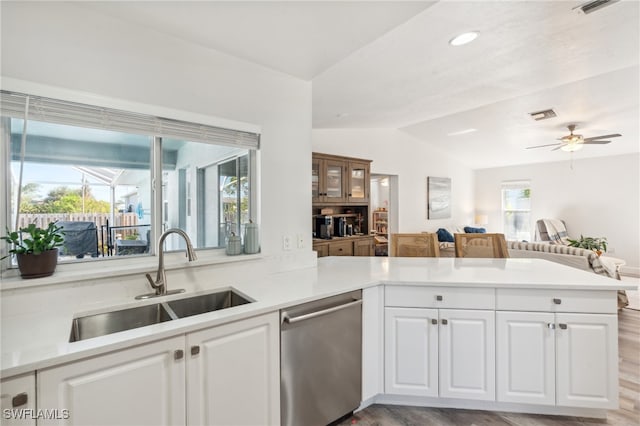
point(286, 242)
point(300, 241)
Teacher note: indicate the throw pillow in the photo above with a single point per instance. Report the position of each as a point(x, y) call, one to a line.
point(471, 230)
point(444, 236)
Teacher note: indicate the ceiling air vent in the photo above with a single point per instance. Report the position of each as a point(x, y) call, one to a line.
point(543, 115)
point(594, 5)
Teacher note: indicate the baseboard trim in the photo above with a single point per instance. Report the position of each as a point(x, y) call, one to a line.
point(415, 401)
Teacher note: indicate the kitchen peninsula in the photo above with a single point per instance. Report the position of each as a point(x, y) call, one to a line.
point(502, 334)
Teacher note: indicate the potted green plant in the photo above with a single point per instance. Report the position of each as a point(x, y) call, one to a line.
point(598, 245)
point(36, 249)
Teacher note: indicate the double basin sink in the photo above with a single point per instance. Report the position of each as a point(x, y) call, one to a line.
point(126, 319)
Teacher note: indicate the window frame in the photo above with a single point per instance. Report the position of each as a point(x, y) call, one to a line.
point(81, 270)
point(521, 184)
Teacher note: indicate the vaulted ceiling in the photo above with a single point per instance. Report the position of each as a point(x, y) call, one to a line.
point(377, 64)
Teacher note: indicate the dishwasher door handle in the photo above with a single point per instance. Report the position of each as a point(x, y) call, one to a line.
point(290, 320)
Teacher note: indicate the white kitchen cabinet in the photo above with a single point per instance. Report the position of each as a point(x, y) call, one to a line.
point(587, 360)
point(144, 385)
point(233, 373)
point(562, 359)
point(19, 400)
point(526, 353)
point(440, 352)
point(411, 351)
point(224, 375)
point(467, 354)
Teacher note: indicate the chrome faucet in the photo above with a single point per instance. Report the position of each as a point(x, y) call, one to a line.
point(160, 283)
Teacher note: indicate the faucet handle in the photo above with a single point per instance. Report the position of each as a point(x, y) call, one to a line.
point(153, 284)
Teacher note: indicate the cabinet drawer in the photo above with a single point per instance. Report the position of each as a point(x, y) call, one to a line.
point(439, 297)
point(550, 300)
point(342, 248)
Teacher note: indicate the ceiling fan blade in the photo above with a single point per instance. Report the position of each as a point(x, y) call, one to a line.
point(555, 149)
point(615, 135)
point(542, 146)
point(596, 142)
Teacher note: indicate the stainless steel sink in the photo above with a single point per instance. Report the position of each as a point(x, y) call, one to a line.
point(207, 303)
point(112, 322)
point(126, 319)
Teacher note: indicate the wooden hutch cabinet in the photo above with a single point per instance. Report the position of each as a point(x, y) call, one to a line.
point(345, 246)
point(340, 186)
point(339, 180)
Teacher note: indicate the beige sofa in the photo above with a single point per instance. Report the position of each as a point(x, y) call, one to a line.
point(566, 255)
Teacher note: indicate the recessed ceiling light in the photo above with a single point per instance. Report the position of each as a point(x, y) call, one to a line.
point(462, 132)
point(463, 38)
point(342, 115)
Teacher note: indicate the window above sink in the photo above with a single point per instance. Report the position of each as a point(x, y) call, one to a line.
point(102, 174)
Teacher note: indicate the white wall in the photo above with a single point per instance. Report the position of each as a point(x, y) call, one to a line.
point(64, 45)
point(396, 153)
point(599, 197)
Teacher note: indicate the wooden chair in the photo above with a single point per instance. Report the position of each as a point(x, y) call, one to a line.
point(481, 245)
point(414, 245)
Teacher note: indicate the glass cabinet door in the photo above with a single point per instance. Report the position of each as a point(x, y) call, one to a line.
point(334, 181)
point(316, 175)
point(358, 182)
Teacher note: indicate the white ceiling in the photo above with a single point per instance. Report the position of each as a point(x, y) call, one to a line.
point(389, 65)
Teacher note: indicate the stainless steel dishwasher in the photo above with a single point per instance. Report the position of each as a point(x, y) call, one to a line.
point(321, 360)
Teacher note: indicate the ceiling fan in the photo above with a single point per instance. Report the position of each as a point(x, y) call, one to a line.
point(573, 142)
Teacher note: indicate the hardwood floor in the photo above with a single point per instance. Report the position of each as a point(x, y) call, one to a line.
point(627, 415)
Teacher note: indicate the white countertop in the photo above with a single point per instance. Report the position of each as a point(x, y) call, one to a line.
point(37, 337)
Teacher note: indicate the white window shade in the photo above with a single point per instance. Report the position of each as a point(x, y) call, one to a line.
point(516, 184)
point(71, 113)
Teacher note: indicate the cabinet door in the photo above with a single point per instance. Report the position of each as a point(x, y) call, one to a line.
point(467, 354)
point(411, 351)
point(363, 247)
point(317, 180)
point(587, 360)
point(525, 357)
point(334, 178)
point(233, 373)
point(18, 399)
point(322, 249)
point(144, 385)
point(358, 188)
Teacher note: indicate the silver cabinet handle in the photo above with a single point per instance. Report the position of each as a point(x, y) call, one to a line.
point(551, 326)
point(19, 399)
point(557, 301)
point(290, 320)
point(445, 322)
point(195, 350)
point(434, 321)
point(563, 326)
point(178, 354)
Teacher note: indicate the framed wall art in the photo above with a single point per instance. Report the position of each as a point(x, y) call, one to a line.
point(438, 198)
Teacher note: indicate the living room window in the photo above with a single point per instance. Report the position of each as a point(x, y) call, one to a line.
point(516, 210)
point(94, 170)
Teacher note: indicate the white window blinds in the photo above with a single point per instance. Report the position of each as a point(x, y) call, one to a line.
point(76, 114)
point(516, 184)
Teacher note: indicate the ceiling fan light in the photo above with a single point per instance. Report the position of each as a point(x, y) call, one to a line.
point(571, 147)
